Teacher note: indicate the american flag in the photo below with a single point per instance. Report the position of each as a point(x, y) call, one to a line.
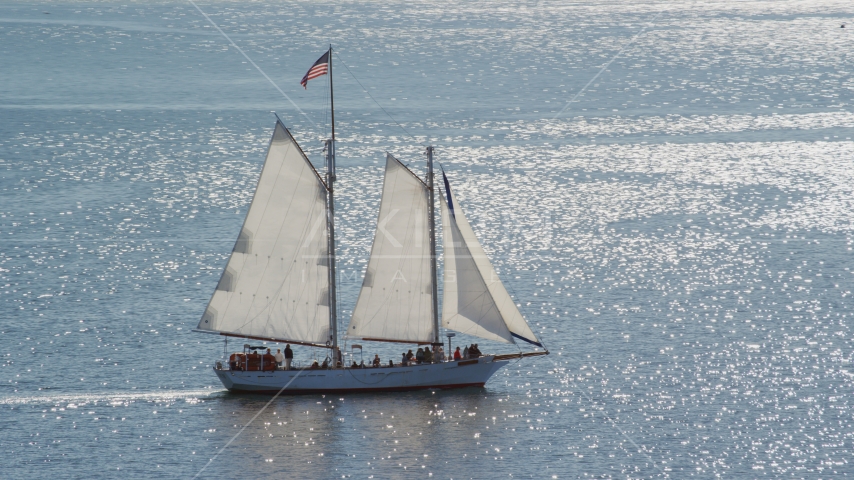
point(320, 68)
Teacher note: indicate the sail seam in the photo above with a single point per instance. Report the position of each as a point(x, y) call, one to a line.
point(258, 182)
point(278, 234)
point(260, 314)
point(379, 311)
point(264, 309)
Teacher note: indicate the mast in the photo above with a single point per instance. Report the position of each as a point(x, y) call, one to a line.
point(330, 215)
point(332, 106)
point(432, 222)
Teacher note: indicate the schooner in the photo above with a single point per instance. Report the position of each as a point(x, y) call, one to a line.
point(279, 284)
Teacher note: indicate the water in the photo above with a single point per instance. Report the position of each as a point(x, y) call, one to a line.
point(680, 236)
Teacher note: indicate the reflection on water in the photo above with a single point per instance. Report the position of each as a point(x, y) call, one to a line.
point(355, 435)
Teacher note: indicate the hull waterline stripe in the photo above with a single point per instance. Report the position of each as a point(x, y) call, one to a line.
point(360, 390)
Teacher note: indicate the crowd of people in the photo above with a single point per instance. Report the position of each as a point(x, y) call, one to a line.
point(435, 354)
point(425, 355)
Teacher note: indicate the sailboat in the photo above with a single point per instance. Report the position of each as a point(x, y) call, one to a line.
point(279, 284)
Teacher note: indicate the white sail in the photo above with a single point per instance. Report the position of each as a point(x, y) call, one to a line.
point(276, 283)
point(475, 300)
point(395, 302)
point(468, 306)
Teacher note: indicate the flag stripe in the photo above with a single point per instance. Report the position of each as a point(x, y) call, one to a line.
point(317, 72)
point(320, 68)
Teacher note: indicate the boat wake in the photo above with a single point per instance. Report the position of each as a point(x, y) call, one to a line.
point(191, 396)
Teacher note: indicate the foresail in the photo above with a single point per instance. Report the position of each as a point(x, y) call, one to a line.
point(395, 302)
point(468, 306)
point(461, 319)
point(275, 284)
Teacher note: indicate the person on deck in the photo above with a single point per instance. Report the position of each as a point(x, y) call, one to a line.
point(428, 356)
point(390, 363)
point(405, 360)
point(474, 352)
point(457, 354)
point(419, 355)
point(289, 356)
point(253, 361)
point(280, 359)
point(376, 360)
point(466, 353)
point(440, 355)
point(409, 357)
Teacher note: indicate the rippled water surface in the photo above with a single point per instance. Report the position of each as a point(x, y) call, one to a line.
point(680, 234)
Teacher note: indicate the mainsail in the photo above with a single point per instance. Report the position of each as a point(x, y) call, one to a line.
point(396, 300)
point(475, 300)
point(276, 282)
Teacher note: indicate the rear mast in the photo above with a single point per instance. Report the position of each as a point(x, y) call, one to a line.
point(432, 223)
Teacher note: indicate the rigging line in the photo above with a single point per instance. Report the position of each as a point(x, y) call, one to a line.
point(250, 421)
point(605, 67)
point(253, 63)
point(375, 101)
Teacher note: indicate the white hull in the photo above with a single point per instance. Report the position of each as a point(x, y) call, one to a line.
point(458, 374)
